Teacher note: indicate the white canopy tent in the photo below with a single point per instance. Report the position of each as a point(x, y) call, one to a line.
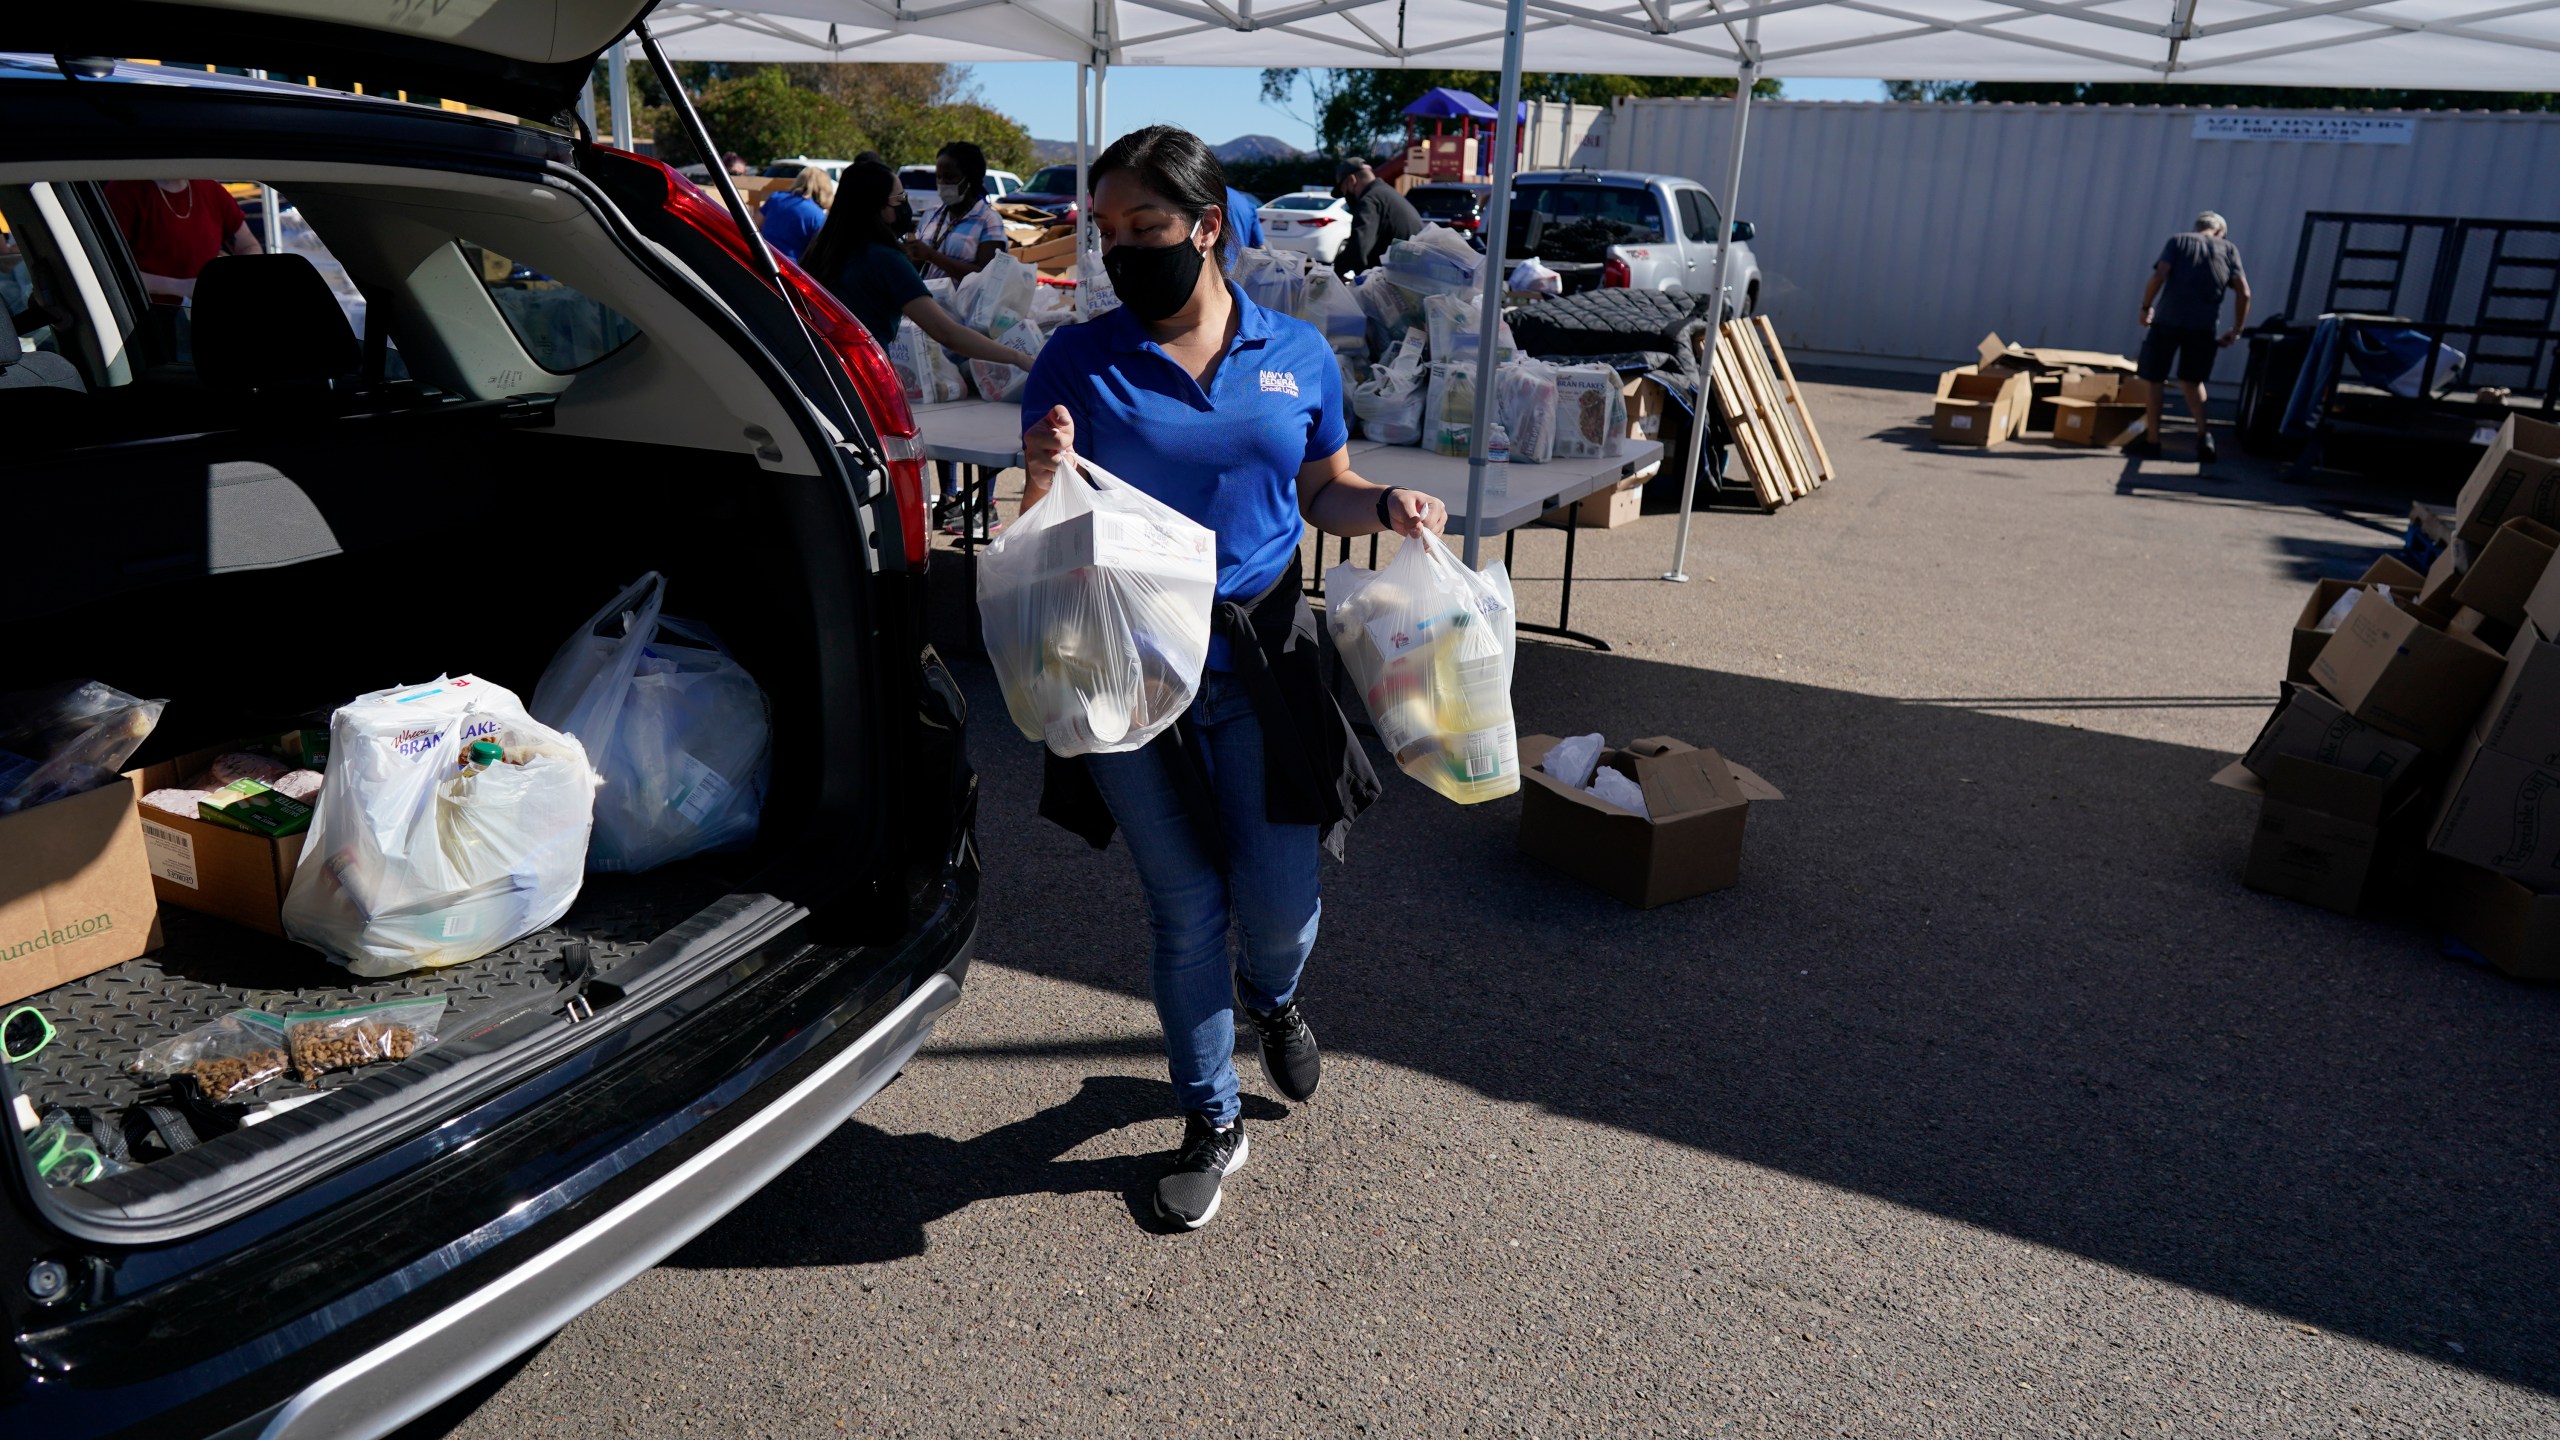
point(2411, 44)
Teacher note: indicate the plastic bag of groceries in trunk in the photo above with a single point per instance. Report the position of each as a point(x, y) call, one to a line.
point(453, 824)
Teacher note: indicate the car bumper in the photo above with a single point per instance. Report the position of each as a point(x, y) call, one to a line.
point(1323, 247)
point(444, 1354)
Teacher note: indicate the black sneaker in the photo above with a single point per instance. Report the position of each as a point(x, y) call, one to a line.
point(2204, 448)
point(2143, 449)
point(946, 509)
point(1290, 1060)
point(1188, 1194)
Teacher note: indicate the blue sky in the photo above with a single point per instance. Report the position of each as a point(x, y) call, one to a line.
point(1219, 104)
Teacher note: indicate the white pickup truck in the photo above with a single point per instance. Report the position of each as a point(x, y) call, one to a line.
point(1568, 219)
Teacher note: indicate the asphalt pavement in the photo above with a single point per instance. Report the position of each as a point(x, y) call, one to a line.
point(1989, 1103)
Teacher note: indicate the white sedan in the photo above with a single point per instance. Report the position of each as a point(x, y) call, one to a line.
point(1310, 222)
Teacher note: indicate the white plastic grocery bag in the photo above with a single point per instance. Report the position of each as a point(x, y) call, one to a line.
point(925, 372)
point(678, 731)
point(1095, 607)
point(998, 381)
point(1430, 643)
point(410, 862)
point(998, 297)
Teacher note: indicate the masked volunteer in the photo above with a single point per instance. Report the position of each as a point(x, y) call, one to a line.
point(1231, 414)
point(966, 232)
point(855, 255)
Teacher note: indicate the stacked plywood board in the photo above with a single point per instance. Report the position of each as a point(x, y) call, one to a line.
point(1763, 408)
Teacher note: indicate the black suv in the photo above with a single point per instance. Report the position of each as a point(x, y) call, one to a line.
point(496, 372)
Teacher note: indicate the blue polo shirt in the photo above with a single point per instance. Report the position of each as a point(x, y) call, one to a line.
point(1227, 457)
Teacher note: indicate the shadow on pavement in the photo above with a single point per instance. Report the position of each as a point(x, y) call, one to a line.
point(1994, 969)
point(909, 1181)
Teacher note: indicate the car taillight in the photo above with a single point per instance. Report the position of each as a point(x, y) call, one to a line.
point(1317, 222)
point(1615, 275)
point(1464, 222)
point(875, 380)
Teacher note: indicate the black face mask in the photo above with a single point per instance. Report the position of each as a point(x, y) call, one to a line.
point(1154, 280)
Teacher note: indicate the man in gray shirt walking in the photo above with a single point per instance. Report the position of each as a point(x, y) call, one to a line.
point(2182, 313)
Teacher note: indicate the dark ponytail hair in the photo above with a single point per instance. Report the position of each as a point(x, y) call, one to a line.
point(1177, 165)
point(853, 222)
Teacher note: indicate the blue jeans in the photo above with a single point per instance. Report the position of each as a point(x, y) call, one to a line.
point(1268, 888)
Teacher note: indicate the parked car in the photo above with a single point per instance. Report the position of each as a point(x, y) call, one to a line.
point(1052, 188)
point(251, 476)
point(1632, 231)
point(790, 169)
point(1460, 207)
point(1311, 222)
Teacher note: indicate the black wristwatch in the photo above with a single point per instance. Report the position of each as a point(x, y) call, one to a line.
point(1383, 497)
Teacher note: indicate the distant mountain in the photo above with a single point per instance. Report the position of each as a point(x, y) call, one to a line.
point(1053, 152)
point(1256, 147)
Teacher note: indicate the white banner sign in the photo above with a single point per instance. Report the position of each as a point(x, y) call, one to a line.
point(2330, 129)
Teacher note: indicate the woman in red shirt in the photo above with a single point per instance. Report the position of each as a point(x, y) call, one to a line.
point(174, 227)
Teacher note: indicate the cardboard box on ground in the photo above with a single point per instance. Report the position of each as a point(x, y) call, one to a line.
point(1690, 845)
point(2048, 370)
point(1978, 407)
point(2519, 474)
point(2390, 668)
point(2101, 410)
point(2309, 639)
point(75, 890)
point(2325, 834)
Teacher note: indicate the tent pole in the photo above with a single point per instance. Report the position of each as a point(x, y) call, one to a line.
point(587, 106)
point(1084, 183)
point(1701, 421)
point(1506, 129)
point(619, 91)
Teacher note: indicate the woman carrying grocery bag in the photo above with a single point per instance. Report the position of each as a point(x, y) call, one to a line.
point(1232, 415)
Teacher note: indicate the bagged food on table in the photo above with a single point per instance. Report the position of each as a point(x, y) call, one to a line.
point(225, 1058)
point(1591, 412)
point(1455, 332)
point(326, 1040)
point(1272, 279)
point(993, 300)
point(1429, 644)
point(1330, 308)
point(1525, 405)
point(1093, 284)
point(678, 731)
point(1390, 310)
point(1449, 410)
point(453, 823)
point(1389, 404)
point(67, 739)
point(924, 369)
point(1095, 608)
point(1438, 261)
point(996, 380)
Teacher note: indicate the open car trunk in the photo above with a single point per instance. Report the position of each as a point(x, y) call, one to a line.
point(325, 561)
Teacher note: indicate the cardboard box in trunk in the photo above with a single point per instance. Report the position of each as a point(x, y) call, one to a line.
point(1978, 407)
point(1692, 843)
point(2099, 409)
point(2310, 726)
point(2321, 831)
point(2391, 669)
point(2501, 812)
point(2513, 927)
point(75, 890)
point(199, 865)
point(2508, 569)
point(2518, 475)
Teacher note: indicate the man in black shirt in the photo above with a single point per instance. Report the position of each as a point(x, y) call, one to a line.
point(1379, 217)
point(2182, 320)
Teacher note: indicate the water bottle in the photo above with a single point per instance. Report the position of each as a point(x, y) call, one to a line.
point(1497, 466)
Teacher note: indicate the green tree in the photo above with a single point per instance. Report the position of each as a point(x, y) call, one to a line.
point(910, 135)
point(2256, 97)
point(1354, 108)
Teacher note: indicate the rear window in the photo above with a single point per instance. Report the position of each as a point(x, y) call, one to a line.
point(1056, 180)
point(1605, 209)
point(563, 329)
point(1443, 204)
point(1301, 202)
